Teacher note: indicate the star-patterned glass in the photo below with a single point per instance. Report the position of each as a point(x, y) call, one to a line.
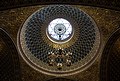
point(59, 29)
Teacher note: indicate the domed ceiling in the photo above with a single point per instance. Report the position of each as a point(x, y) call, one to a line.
point(59, 40)
point(56, 44)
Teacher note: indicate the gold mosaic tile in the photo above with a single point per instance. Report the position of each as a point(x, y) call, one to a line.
point(107, 21)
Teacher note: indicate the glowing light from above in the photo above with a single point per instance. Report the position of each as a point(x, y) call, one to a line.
point(59, 29)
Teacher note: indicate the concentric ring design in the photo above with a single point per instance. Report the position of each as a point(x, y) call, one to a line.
point(59, 29)
point(34, 44)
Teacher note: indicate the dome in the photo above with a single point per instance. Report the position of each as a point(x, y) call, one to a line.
point(59, 40)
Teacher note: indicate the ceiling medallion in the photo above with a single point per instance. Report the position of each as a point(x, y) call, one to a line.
point(59, 31)
point(59, 40)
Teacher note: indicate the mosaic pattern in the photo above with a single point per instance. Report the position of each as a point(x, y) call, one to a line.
point(106, 19)
point(110, 61)
point(9, 60)
point(35, 48)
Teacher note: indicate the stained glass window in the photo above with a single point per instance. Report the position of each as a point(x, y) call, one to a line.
point(60, 29)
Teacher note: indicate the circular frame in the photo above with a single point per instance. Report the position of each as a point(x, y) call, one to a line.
point(56, 40)
point(41, 66)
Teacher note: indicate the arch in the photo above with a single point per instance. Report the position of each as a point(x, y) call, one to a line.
point(105, 67)
point(9, 59)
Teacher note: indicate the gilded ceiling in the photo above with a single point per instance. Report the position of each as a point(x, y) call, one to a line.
point(106, 20)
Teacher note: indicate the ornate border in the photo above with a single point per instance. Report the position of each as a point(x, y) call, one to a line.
point(40, 66)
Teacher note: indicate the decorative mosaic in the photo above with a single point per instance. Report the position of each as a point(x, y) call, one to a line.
point(35, 45)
